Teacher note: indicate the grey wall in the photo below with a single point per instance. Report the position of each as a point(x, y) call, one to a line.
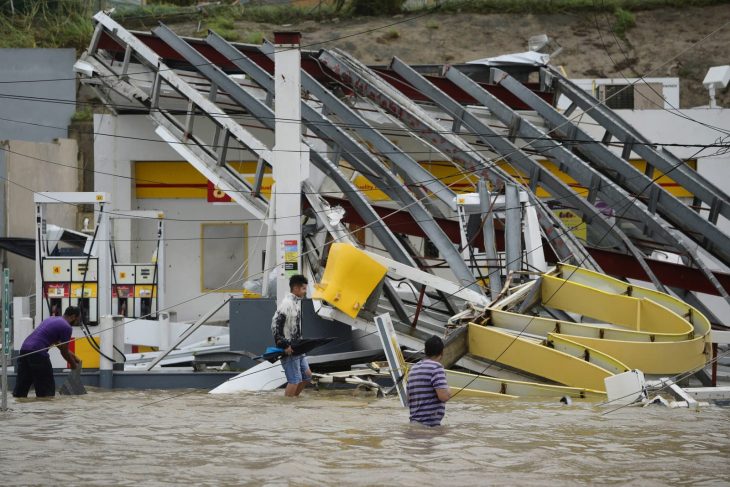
point(250, 327)
point(25, 106)
point(34, 167)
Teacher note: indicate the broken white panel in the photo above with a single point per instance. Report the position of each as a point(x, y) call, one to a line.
point(396, 362)
point(625, 388)
point(259, 378)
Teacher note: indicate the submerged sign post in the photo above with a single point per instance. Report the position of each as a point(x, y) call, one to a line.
point(5, 356)
point(396, 362)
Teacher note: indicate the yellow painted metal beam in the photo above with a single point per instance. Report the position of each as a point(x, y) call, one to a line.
point(581, 351)
point(515, 388)
point(542, 326)
point(464, 393)
point(652, 358)
point(535, 358)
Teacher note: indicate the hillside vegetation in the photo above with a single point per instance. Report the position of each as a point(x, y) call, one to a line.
point(600, 38)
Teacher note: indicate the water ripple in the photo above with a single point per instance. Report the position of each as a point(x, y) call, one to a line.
point(337, 438)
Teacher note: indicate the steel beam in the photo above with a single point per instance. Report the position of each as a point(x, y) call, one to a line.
point(583, 173)
point(359, 157)
point(152, 60)
point(663, 161)
point(693, 225)
point(389, 150)
point(514, 154)
point(218, 116)
point(512, 228)
point(202, 161)
point(494, 271)
point(368, 84)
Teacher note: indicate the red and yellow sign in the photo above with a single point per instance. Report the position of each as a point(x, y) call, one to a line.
point(217, 195)
point(180, 180)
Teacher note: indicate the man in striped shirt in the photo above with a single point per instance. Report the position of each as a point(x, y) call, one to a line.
point(427, 387)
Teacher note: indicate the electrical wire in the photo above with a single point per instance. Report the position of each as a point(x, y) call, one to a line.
point(545, 301)
point(394, 131)
point(263, 272)
point(428, 11)
point(84, 324)
point(381, 218)
point(675, 111)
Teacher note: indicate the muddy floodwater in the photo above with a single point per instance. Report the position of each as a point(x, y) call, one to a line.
point(338, 438)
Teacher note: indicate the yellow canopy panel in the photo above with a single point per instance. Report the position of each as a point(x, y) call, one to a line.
point(606, 283)
point(652, 358)
point(535, 358)
point(349, 278)
point(514, 388)
point(542, 326)
point(640, 314)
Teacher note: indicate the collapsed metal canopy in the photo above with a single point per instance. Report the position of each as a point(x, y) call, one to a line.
point(472, 116)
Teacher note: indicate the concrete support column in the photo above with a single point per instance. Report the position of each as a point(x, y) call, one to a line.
point(165, 330)
point(291, 159)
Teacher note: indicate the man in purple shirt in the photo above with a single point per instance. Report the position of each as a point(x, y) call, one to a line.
point(34, 364)
point(427, 387)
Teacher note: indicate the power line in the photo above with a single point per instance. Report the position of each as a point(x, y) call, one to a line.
point(418, 183)
point(427, 12)
point(121, 213)
point(675, 111)
point(545, 301)
point(605, 234)
point(390, 130)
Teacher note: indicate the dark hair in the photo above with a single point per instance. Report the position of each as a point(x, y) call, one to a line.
point(297, 280)
point(72, 311)
point(434, 346)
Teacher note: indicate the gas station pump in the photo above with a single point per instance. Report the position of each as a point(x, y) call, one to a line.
point(75, 269)
point(134, 292)
point(69, 275)
point(134, 285)
point(72, 270)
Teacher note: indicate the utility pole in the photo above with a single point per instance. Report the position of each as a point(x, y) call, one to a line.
point(5, 355)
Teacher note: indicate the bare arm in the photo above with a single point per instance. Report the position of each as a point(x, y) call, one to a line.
point(440, 385)
point(69, 355)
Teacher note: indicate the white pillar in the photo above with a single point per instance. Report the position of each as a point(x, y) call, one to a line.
point(165, 330)
point(103, 294)
point(161, 269)
point(22, 322)
point(106, 335)
point(291, 158)
point(713, 100)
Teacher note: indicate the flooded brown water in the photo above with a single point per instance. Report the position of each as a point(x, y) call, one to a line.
point(337, 438)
